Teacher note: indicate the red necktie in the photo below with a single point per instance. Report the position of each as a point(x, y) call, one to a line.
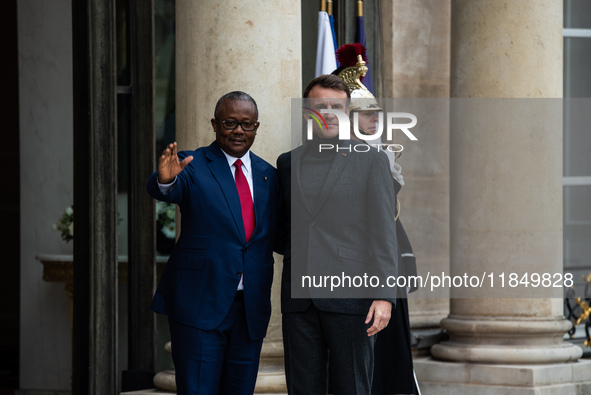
point(245, 200)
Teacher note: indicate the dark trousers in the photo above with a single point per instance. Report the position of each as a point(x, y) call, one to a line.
point(317, 342)
point(221, 361)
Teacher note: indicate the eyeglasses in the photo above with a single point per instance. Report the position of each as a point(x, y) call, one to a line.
point(231, 124)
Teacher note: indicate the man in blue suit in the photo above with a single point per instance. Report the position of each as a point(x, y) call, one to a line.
point(217, 284)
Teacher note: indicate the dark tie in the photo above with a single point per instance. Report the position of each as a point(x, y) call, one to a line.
point(245, 200)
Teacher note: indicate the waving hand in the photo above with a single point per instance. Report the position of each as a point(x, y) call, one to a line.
point(169, 165)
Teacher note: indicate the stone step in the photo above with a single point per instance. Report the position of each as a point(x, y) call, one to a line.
point(270, 381)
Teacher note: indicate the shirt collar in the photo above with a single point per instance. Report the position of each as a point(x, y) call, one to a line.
point(245, 160)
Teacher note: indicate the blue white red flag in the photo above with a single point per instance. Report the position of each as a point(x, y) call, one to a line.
point(334, 35)
point(326, 61)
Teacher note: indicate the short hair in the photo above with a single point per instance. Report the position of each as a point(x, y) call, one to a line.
point(235, 95)
point(328, 81)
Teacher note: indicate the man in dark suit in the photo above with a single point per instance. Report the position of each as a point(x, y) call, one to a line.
point(342, 211)
point(217, 283)
point(393, 365)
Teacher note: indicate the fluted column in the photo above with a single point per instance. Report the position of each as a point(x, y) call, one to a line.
point(255, 47)
point(506, 178)
point(416, 65)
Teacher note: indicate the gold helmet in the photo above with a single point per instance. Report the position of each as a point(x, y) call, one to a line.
point(351, 58)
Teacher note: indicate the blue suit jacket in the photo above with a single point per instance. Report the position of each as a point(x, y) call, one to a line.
point(204, 269)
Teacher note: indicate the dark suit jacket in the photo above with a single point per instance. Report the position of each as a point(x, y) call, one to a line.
point(352, 227)
point(203, 272)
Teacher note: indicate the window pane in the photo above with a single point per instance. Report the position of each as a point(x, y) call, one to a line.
point(577, 209)
point(577, 14)
point(577, 233)
point(577, 144)
point(577, 63)
point(577, 138)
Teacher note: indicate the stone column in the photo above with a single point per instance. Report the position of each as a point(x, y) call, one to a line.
point(248, 45)
point(416, 64)
point(506, 201)
point(255, 47)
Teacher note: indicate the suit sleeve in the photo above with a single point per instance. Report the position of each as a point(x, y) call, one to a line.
point(283, 224)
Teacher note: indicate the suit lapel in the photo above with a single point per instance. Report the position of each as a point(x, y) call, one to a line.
point(260, 184)
point(338, 164)
point(220, 170)
point(296, 174)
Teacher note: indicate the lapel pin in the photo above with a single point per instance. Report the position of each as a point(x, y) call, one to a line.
point(265, 178)
point(344, 154)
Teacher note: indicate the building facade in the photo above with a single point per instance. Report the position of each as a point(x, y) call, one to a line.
point(477, 196)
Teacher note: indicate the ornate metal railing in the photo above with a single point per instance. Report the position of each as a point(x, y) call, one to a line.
point(578, 310)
